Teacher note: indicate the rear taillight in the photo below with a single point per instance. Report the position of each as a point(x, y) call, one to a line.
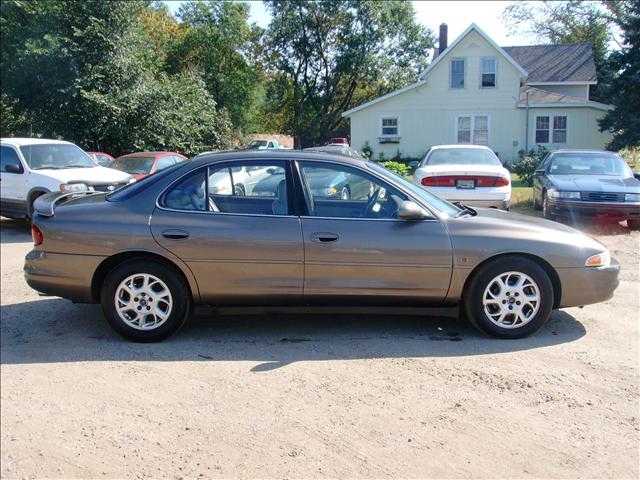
point(36, 234)
point(451, 180)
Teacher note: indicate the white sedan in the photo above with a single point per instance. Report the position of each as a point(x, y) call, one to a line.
point(471, 174)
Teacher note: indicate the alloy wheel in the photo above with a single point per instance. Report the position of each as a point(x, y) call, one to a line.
point(511, 299)
point(143, 301)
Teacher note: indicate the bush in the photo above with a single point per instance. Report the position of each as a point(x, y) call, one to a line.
point(367, 151)
point(397, 167)
point(631, 156)
point(528, 163)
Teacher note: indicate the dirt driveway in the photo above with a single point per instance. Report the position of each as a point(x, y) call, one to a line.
point(302, 395)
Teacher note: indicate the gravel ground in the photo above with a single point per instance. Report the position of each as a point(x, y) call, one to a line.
point(321, 395)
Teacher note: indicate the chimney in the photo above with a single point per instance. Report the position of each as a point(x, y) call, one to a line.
point(442, 40)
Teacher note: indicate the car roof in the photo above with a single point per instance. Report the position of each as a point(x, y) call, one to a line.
point(18, 141)
point(275, 155)
point(146, 154)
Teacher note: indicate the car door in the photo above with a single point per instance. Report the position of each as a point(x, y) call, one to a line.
point(357, 246)
point(239, 246)
point(13, 179)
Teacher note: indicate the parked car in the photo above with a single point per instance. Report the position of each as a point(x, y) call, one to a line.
point(31, 167)
point(268, 144)
point(101, 158)
point(471, 174)
point(576, 184)
point(150, 251)
point(142, 164)
point(344, 150)
point(338, 141)
point(240, 181)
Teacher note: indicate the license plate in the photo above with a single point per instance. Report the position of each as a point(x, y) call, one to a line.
point(465, 184)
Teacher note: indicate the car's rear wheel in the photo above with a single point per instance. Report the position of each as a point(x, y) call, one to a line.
point(510, 297)
point(145, 301)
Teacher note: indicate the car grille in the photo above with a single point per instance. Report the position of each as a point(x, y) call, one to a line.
point(107, 188)
point(602, 197)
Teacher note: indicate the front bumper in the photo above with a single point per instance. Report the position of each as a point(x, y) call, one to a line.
point(578, 208)
point(62, 275)
point(587, 285)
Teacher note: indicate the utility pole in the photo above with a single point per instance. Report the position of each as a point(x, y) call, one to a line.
point(526, 133)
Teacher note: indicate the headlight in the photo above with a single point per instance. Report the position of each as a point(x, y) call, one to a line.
point(565, 195)
point(600, 260)
point(632, 197)
point(74, 187)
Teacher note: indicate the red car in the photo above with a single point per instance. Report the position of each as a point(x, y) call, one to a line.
point(102, 158)
point(338, 141)
point(143, 164)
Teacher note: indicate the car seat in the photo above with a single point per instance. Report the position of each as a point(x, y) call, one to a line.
point(280, 205)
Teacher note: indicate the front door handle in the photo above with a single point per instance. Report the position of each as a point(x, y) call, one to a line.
point(175, 234)
point(324, 237)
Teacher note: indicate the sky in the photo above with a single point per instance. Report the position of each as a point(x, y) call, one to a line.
point(457, 15)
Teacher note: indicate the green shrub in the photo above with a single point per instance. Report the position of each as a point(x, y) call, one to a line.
point(367, 151)
point(525, 169)
point(397, 167)
point(632, 157)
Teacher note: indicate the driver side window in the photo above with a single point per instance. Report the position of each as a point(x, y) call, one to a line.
point(340, 191)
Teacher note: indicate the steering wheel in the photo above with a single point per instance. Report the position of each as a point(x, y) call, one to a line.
point(371, 203)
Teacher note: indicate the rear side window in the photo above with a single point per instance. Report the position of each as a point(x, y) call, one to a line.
point(8, 156)
point(165, 162)
point(188, 193)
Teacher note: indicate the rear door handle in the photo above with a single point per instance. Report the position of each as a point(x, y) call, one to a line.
point(324, 237)
point(175, 234)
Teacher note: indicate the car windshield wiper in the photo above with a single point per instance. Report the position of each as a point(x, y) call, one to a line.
point(465, 210)
point(77, 166)
point(48, 168)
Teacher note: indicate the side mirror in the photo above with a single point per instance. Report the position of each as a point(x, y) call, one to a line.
point(412, 211)
point(13, 168)
point(414, 164)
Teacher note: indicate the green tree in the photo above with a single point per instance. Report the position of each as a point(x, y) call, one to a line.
point(624, 90)
point(322, 56)
point(219, 42)
point(561, 22)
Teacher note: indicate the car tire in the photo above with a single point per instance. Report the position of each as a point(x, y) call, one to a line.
point(239, 190)
point(134, 315)
point(30, 205)
point(633, 224)
point(492, 295)
point(546, 213)
point(345, 193)
point(536, 205)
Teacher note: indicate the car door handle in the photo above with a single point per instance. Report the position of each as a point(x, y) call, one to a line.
point(175, 234)
point(324, 237)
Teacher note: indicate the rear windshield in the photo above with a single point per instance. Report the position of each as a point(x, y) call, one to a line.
point(133, 164)
point(56, 156)
point(132, 189)
point(579, 163)
point(461, 156)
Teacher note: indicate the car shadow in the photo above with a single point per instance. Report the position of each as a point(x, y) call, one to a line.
point(15, 231)
point(32, 333)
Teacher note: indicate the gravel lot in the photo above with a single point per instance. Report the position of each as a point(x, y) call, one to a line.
point(321, 395)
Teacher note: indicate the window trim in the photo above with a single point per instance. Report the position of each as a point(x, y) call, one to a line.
point(550, 130)
point(464, 73)
point(472, 126)
point(495, 72)
point(395, 117)
point(293, 210)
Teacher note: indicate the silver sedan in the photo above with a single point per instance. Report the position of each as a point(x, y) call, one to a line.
point(151, 250)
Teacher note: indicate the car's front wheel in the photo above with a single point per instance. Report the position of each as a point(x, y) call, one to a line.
point(510, 297)
point(145, 301)
point(546, 209)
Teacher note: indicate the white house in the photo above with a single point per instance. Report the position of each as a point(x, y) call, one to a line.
point(474, 91)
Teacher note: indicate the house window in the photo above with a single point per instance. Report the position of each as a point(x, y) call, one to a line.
point(473, 129)
point(551, 129)
point(489, 70)
point(457, 73)
point(389, 127)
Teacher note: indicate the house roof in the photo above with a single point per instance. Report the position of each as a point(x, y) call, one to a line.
point(546, 99)
point(556, 63)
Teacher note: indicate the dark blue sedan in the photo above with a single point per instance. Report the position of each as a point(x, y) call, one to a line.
point(576, 184)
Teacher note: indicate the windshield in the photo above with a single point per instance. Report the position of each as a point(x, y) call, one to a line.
point(461, 156)
point(56, 156)
point(258, 143)
point(589, 164)
point(436, 202)
point(133, 164)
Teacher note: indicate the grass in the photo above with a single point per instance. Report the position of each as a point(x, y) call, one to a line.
point(521, 196)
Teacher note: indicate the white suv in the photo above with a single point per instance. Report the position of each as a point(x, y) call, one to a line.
point(30, 167)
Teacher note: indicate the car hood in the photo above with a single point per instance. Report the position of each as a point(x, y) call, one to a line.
point(595, 183)
point(91, 176)
point(432, 170)
point(494, 232)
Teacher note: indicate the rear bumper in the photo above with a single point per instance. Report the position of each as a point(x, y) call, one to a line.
point(618, 210)
point(584, 286)
point(62, 275)
point(490, 197)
